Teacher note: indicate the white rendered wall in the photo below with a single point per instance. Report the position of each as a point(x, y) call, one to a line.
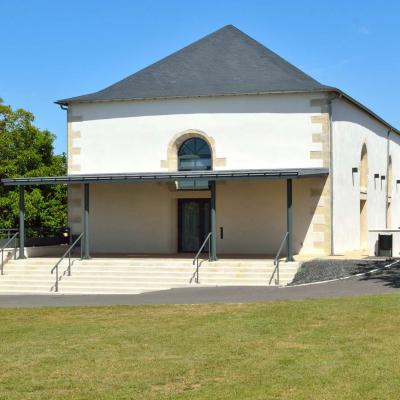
point(143, 218)
point(394, 151)
point(250, 132)
point(352, 128)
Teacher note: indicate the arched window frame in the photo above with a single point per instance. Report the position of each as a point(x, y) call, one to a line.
point(364, 169)
point(194, 154)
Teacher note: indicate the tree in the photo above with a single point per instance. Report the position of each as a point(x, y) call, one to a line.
point(27, 151)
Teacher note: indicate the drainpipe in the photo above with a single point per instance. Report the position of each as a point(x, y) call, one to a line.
point(387, 178)
point(330, 100)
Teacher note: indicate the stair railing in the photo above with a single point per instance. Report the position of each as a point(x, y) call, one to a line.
point(5, 246)
point(67, 253)
point(196, 258)
point(277, 260)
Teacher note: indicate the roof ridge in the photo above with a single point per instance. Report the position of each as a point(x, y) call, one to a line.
point(164, 59)
point(253, 41)
point(229, 36)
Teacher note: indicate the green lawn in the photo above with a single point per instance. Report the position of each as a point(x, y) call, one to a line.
point(314, 349)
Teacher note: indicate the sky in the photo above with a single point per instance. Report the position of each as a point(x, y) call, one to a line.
point(52, 50)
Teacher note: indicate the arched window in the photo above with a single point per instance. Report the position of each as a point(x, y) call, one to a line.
point(364, 170)
point(194, 154)
point(364, 198)
point(389, 178)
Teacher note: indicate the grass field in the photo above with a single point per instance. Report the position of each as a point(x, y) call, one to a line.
point(313, 349)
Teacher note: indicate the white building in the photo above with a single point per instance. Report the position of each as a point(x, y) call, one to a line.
point(209, 140)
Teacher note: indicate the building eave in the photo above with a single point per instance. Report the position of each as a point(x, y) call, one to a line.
point(333, 90)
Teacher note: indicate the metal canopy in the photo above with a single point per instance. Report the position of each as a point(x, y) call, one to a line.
point(291, 173)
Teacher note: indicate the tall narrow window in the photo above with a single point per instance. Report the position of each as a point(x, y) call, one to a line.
point(194, 155)
point(364, 170)
point(389, 194)
point(364, 198)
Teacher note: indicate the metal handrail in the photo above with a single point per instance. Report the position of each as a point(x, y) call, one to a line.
point(196, 258)
point(8, 231)
point(14, 237)
point(277, 260)
point(68, 252)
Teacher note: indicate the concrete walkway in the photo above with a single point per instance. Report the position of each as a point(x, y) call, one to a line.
point(386, 281)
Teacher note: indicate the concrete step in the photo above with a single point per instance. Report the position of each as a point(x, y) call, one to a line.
point(120, 281)
point(37, 261)
point(136, 275)
point(212, 267)
point(163, 277)
point(23, 287)
point(103, 290)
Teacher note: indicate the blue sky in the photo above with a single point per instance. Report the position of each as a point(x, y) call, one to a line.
point(52, 50)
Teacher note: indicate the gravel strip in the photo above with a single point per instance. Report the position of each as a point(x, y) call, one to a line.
point(324, 270)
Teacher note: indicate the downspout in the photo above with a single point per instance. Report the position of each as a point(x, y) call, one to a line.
point(387, 177)
point(330, 100)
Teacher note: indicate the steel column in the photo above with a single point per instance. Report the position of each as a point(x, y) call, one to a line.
point(289, 220)
point(21, 222)
point(213, 218)
point(86, 246)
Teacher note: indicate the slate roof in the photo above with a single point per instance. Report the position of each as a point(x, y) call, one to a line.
point(225, 62)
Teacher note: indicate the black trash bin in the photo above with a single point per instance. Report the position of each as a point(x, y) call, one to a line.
point(385, 245)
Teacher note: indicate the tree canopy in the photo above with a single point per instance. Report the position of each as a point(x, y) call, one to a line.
point(25, 150)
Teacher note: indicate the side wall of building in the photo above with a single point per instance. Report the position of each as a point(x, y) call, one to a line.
point(353, 129)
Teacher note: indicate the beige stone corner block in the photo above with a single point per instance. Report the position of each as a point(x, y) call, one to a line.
point(75, 150)
point(317, 155)
point(322, 209)
point(75, 134)
point(321, 228)
point(319, 119)
point(74, 167)
point(318, 236)
point(324, 201)
point(317, 138)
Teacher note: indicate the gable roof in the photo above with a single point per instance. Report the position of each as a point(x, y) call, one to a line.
point(225, 62)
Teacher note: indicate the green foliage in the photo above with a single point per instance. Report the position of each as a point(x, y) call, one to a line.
point(26, 151)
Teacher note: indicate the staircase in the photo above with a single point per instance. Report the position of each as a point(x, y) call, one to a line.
point(137, 275)
point(31, 275)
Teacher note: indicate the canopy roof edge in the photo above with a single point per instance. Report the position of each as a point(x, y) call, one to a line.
point(288, 173)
